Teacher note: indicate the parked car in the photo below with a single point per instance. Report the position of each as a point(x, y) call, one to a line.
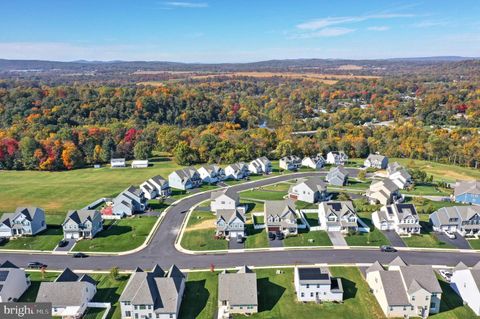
point(271, 236)
point(279, 235)
point(3, 240)
point(80, 255)
point(388, 249)
point(36, 265)
point(450, 235)
point(63, 243)
point(446, 274)
point(239, 239)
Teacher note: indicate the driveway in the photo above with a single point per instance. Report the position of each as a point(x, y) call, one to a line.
point(460, 242)
point(275, 243)
point(394, 238)
point(232, 244)
point(337, 238)
point(71, 243)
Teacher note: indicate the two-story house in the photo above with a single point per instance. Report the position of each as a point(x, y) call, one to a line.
point(466, 283)
point(69, 294)
point(337, 216)
point(24, 221)
point(185, 178)
point(155, 187)
point(230, 223)
point(311, 190)
point(316, 284)
point(403, 290)
point(131, 200)
point(237, 293)
point(314, 162)
point(237, 171)
point(337, 176)
point(336, 158)
point(280, 216)
point(211, 174)
point(225, 198)
point(154, 294)
point(82, 224)
point(464, 220)
point(467, 192)
point(261, 165)
point(13, 282)
point(290, 163)
point(384, 192)
point(401, 178)
point(376, 161)
point(402, 218)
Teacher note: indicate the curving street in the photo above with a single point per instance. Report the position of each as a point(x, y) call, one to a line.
point(161, 249)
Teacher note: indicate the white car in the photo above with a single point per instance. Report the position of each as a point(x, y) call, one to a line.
point(446, 274)
point(450, 235)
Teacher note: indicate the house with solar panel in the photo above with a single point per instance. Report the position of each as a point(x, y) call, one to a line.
point(337, 216)
point(402, 218)
point(83, 223)
point(317, 285)
point(69, 294)
point(13, 282)
point(153, 294)
point(24, 221)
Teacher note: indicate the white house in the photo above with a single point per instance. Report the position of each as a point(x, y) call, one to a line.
point(69, 294)
point(130, 201)
point(236, 171)
point(155, 187)
point(402, 218)
point(25, 221)
point(337, 216)
point(261, 165)
point(401, 178)
point(185, 178)
point(317, 285)
point(337, 176)
point(383, 192)
point(117, 162)
point(311, 190)
point(337, 158)
point(139, 164)
point(466, 283)
point(237, 293)
point(315, 162)
point(462, 219)
point(225, 198)
point(82, 224)
point(153, 294)
point(376, 161)
point(211, 174)
point(290, 163)
point(280, 216)
point(230, 223)
point(13, 282)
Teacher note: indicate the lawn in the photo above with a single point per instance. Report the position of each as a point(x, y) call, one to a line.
point(304, 205)
point(202, 239)
point(125, 234)
point(200, 299)
point(474, 243)
point(280, 187)
point(259, 219)
point(353, 184)
point(373, 238)
point(47, 240)
point(428, 189)
point(262, 195)
point(308, 238)
point(426, 206)
point(203, 218)
point(253, 206)
point(256, 238)
point(426, 239)
point(442, 172)
point(312, 219)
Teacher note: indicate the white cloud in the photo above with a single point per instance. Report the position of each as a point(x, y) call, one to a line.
point(329, 21)
point(379, 28)
point(429, 24)
point(325, 32)
point(181, 4)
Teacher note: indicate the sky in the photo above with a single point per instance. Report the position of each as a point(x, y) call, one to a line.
point(213, 31)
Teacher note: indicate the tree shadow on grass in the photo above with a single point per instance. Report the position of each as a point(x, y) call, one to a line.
point(114, 230)
point(349, 289)
point(450, 300)
point(269, 294)
point(195, 299)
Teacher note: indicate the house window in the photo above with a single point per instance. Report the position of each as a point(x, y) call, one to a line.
point(136, 316)
point(433, 305)
point(426, 297)
point(302, 294)
point(311, 294)
point(128, 314)
point(142, 307)
point(308, 286)
point(413, 298)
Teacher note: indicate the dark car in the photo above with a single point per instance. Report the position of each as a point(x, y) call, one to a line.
point(388, 249)
point(80, 255)
point(271, 236)
point(239, 239)
point(36, 265)
point(279, 235)
point(63, 243)
point(3, 240)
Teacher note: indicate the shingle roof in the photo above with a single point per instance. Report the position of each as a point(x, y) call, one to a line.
point(467, 187)
point(8, 264)
point(424, 275)
point(394, 290)
point(460, 266)
point(80, 216)
point(375, 157)
point(238, 288)
point(376, 266)
point(281, 208)
point(447, 215)
point(159, 180)
point(225, 191)
point(228, 215)
point(315, 183)
point(398, 261)
point(67, 275)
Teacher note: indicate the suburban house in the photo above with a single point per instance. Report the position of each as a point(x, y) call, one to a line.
point(139, 164)
point(393, 167)
point(261, 165)
point(236, 171)
point(462, 219)
point(383, 192)
point(154, 294)
point(467, 192)
point(130, 201)
point(117, 162)
point(230, 223)
point(337, 158)
point(280, 216)
point(311, 190)
point(237, 293)
point(185, 178)
point(211, 174)
point(402, 218)
point(316, 284)
point(69, 294)
point(405, 291)
point(82, 224)
point(315, 162)
point(225, 198)
point(155, 187)
point(337, 216)
point(290, 163)
point(337, 176)
point(376, 161)
point(25, 221)
point(466, 283)
point(401, 178)
point(13, 282)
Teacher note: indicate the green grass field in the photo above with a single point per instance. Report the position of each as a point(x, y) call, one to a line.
point(47, 240)
point(200, 299)
point(312, 219)
point(124, 234)
point(451, 306)
point(373, 238)
point(256, 238)
point(441, 172)
point(474, 243)
point(427, 189)
point(308, 238)
point(200, 233)
point(262, 195)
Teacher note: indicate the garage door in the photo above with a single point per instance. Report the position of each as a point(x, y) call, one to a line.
point(273, 229)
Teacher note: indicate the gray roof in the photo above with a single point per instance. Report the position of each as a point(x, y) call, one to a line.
point(8, 264)
point(403, 210)
point(228, 215)
point(402, 172)
point(315, 183)
point(134, 190)
point(376, 157)
point(80, 216)
point(393, 167)
point(212, 168)
point(397, 261)
point(281, 208)
point(291, 158)
point(28, 212)
point(338, 208)
point(338, 170)
point(376, 266)
point(159, 180)
point(238, 166)
point(467, 187)
point(387, 184)
point(423, 275)
point(394, 290)
point(460, 266)
point(264, 160)
point(454, 215)
point(225, 191)
point(186, 173)
point(238, 288)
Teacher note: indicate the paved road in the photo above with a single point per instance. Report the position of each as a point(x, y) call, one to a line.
point(162, 250)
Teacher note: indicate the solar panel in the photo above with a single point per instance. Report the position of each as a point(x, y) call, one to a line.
point(3, 275)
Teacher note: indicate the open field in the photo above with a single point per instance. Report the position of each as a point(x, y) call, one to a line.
point(200, 233)
point(124, 234)
point(262, 195)
point(442, 172)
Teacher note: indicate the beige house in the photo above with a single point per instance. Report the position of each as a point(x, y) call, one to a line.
point(237, 293)
point(405, 290)
point(383, 192)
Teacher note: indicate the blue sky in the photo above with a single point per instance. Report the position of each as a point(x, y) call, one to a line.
point(236, 31)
